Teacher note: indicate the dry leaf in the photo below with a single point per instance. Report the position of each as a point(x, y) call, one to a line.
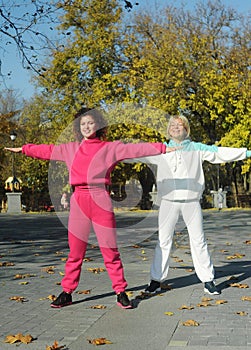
point(189, 270)
point(18, 298)
point(51, 297)
point(6, 263)
point(98, 307)
point(204, 304)
point(99, 341)
point(220, 301)
point(129, 293)
point(190, 323)
point(165, 286)
point(185, 307)
point(241, 313)
point(136, 246)
point(169, 313)
point(55, 346)
point(11, 339)
point(87, 259)
point(49, 269)
point(19, 276)
point(23, 283)
point(235, 256)
point(246, 298)
point(178, 260)
point(87, 291)
point(96, 269)
point(239, 285)
point(206, 299)
point(248, 242)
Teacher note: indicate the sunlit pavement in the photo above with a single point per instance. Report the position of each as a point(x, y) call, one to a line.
point(33, 249)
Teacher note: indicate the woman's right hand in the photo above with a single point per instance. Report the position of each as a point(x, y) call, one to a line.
point(13, 149)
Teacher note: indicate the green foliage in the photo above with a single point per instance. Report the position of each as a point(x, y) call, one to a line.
point(141, 72)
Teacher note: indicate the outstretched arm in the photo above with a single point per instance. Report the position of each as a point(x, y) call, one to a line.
point(172, 149)
point(14, 149)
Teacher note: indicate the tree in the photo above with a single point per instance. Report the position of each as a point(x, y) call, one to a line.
point(194, 63)
point(198, 64)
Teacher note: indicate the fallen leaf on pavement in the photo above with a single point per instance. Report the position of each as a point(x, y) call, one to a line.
point(169, 313)
point(241, 313)
point(6, 263)
point(55, 346)
point(59, 253)
point(96, 269)
point(49, 269)
point(220, 301)
point(26, 339)
point(235, 256)
point(18, 298)
point(185, 307)
point(26, 275)
point(239, 285)
point(99, 341)
point(246, 298)
point(98, 307)
point(204, 304)
point(206, 299)
point(165, 286)
point(190, 323)
point(87, 291)
point(87, 259)
point(129, 293)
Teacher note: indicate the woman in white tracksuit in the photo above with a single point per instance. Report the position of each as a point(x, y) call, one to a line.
point(180, 184)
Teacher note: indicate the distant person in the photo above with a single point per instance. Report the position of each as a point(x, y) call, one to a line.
point(220, 198)
point(90, 161)
point(180, 184)
point(64, 201)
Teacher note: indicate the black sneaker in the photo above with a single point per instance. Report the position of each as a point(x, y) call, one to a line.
point(63, 299)
point(123, 301)
point(154, 287)
point(210, 288)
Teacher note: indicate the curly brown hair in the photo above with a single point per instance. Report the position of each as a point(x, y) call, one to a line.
point(98, 119)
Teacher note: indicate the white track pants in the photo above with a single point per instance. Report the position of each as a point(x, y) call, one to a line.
point(192, 215)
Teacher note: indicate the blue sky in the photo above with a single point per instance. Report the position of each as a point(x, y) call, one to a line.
point(20, 78)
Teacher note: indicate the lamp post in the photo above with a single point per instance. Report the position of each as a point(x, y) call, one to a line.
point(13, 136)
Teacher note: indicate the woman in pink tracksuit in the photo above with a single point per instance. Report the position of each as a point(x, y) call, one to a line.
point(90, 161)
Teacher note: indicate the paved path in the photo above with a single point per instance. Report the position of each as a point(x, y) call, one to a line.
point(37, 246)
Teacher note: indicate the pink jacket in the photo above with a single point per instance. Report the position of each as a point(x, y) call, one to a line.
point(92, 161)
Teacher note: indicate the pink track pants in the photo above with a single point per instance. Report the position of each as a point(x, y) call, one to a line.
point(92, 207)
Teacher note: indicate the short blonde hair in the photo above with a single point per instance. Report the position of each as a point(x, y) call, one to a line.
point(183, 120)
